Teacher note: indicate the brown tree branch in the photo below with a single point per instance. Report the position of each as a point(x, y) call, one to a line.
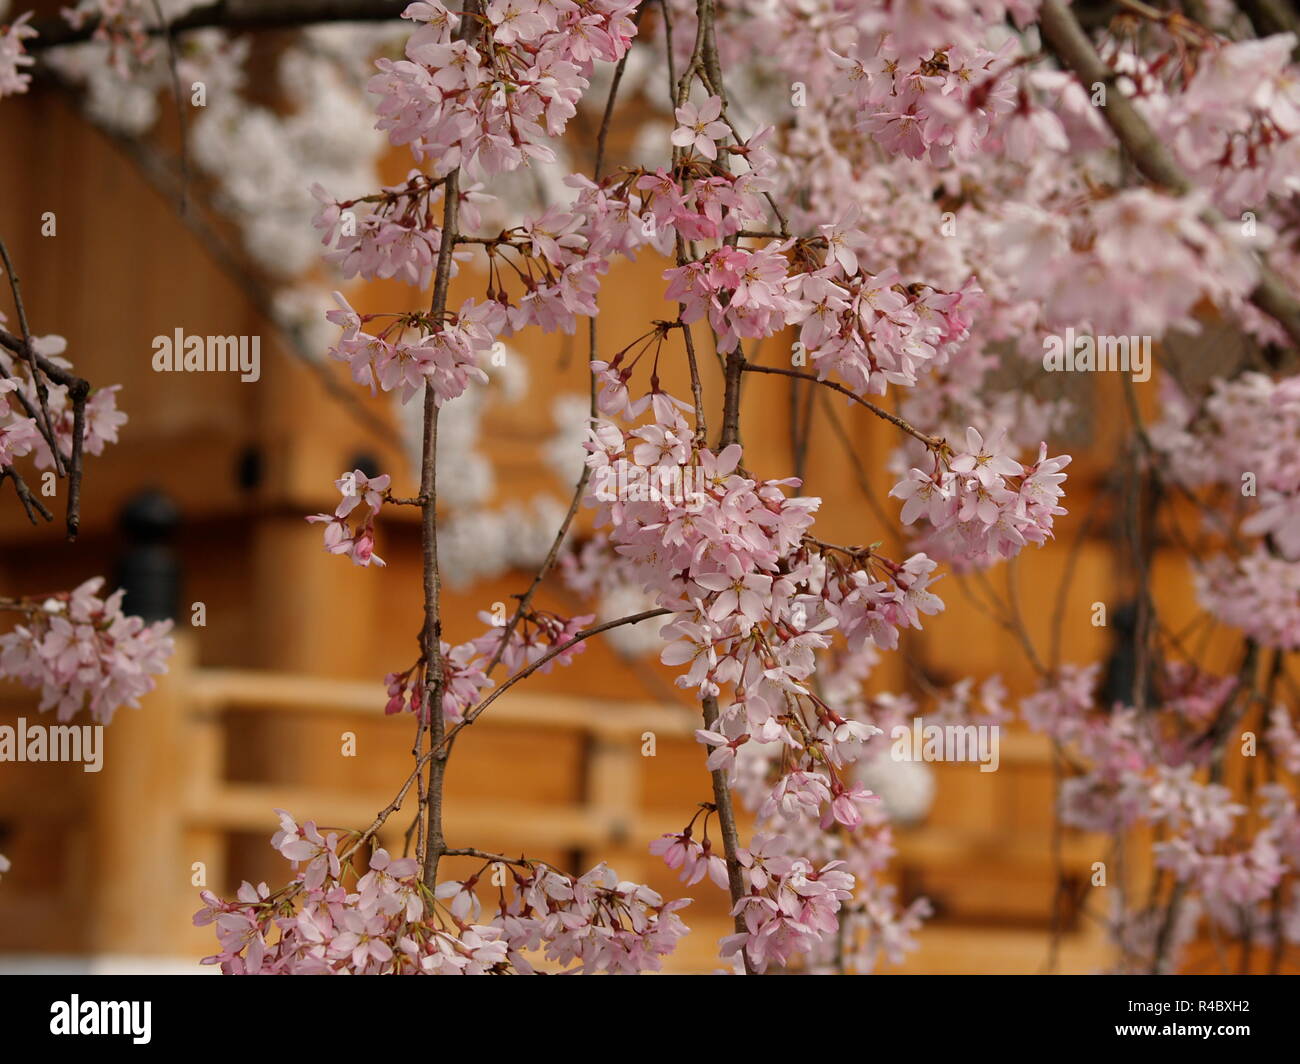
point(78, 392)
point(431, 637)
point(550, 655)
point(932, 442)
point(235, 15)
point(1067, 40)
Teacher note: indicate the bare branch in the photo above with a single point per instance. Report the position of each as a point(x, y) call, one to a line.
point(236, 15)
point(932, 442)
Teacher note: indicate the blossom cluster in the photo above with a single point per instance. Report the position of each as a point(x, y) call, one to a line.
point(790, 906)
point(1231, 123)
point(344, 533)
point(389, 922)
point(395, 239)
point(1078, 266)
point(589, 924)
point(981, 504)
point(444, 355)
point(489, 101)
point(1148, 768)
point(753, 596)
point(1238, 439)
point(873, 924)
point(20, 433)
point(82, 653)
point(465, 667)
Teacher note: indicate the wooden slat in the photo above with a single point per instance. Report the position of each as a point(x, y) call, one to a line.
point(944, 847)
point(248, 807)
point(240, 690)
point(250, 691)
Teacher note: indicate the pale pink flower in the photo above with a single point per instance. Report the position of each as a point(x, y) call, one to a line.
point(699, 128)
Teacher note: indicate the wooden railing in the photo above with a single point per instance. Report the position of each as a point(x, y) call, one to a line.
point(164, 808)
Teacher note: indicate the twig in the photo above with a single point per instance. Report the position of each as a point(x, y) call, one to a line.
point(730, 836)
point(234, 15)
point(42, 413)
point(78, 391)
point(31, 504)
point(550, 655)
point(392, 807)
point(173, 64)
point(932, 442)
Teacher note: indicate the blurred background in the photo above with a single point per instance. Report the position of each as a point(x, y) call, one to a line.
point(203, 501)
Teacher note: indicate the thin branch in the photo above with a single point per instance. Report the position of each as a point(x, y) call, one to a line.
point(550, 655)
point(78, 391)
point(173, 64)
point(730, 836)
point(392, 807)
point(932, 442)
point(234, 15)
point(431, 638)
point(31, 504)
point(42, 412)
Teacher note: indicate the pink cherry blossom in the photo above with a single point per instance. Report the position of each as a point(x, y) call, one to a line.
point(698, 129)
point(82, 653)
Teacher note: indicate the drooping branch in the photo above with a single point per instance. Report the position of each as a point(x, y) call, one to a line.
point(42, 369)
point(32, 506)
point(435, 844)
point(1067, 40)
point(706, 47)
point(431, 636)
point(550, 655)
point(236, 15)
point(932, 442)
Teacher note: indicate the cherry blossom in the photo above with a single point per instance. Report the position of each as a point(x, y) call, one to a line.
point(13, 56)
point(698, 129)
point(343, 534)
point(386, 921)
point(82, 653)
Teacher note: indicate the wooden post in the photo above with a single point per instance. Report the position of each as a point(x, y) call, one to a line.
point(613, 773)
point(204, 738)
point(141, 876)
